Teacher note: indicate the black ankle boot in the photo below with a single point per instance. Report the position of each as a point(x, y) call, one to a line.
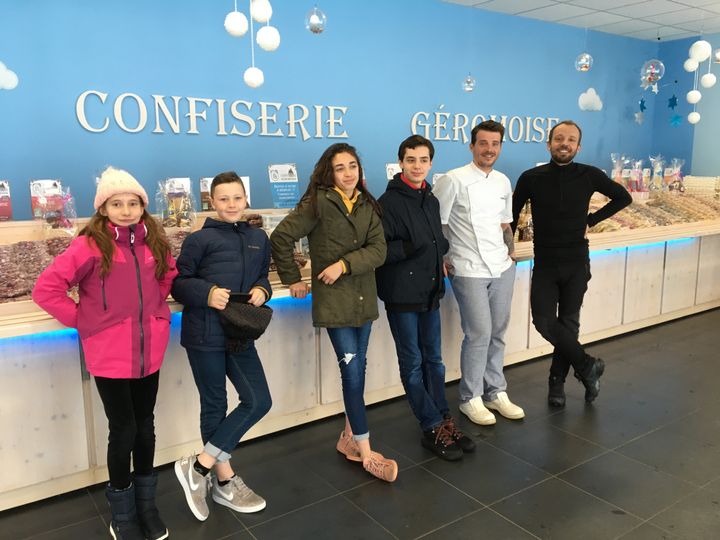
point(556, 391)
point(591, 377)
point(124, 524)
point(152, 525)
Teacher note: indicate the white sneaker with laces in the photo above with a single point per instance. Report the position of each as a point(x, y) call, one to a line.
point(505, 407)
point(237, 496)
point(195, 486)
point(476, 411)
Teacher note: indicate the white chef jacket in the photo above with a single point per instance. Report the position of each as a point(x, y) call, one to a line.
point(473, 205)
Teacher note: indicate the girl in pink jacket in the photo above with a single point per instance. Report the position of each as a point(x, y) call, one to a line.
point(122, 266)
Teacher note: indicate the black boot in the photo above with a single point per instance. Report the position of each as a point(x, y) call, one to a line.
point(124, 524)
point(147, 512)
point(590, 378)
point(556, 391)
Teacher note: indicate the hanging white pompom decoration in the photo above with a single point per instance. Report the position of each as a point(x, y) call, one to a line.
point(268, 38)
point(708, 80)
point(694, 117)
point(716, 56)
point(315, 20)
point(700, 50)
point(690, 65)
point(254, 77)
point(261, 10)
point(236, 24)
point(8, 78)
point(693, 96)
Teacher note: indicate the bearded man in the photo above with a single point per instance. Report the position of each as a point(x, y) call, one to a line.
point(559, 193)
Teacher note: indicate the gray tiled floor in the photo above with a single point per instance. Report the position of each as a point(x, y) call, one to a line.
point(639, 464)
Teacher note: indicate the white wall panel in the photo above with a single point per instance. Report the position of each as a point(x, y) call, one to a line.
point(643, 282)
point(708, 285)
point(680, 280)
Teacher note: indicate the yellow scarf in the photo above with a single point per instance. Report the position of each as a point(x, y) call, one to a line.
point(349, 203)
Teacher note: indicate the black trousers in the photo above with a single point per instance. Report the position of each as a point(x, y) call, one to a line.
point(129, 406)
point(556, 296)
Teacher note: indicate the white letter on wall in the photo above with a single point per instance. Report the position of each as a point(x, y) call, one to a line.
point(460, 127)
point(414, 123)
point(292, 121)
point(242, 117)
point(515, 129)
point(193, 113)
point(80, 110)
point(332, 121)
point(265, 118)
point(173, 121)
point(142, 113)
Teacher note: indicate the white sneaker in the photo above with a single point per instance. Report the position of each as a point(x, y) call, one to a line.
point(475, 410)
point(236, 495)
point(195, 486)
point(504, 406)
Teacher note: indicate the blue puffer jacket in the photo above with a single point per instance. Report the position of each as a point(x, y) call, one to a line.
point(233, 256)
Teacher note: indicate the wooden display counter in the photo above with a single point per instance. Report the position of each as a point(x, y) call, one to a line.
point(52, 427)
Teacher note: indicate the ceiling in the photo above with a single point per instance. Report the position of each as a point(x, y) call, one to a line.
point(642, 19)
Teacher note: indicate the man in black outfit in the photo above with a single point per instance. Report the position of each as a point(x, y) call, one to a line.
point(411, 283)
point(559, 194)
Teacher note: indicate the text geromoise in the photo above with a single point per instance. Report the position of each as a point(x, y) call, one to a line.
point(445, 126)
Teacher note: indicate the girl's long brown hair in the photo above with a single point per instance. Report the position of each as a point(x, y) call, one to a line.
point(97, 229)
point(323, 175)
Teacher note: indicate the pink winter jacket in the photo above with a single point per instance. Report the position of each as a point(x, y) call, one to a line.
point(123, 319)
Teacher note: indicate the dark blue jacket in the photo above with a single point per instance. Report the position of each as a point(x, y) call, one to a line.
point(412, 277)
point(232, 256)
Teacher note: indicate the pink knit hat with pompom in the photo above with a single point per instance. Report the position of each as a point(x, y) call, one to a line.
point(114, 181)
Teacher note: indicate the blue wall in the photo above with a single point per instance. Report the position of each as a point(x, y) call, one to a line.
point(706, 150)
point(383, 60)
point(673, 141)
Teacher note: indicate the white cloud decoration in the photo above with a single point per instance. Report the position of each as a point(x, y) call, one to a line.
point(8, 78)
point(590, 101)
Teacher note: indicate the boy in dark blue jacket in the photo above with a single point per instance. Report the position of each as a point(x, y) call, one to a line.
point(411, 283)
point(226, 255)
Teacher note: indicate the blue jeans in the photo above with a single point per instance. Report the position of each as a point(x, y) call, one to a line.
point(221, 433)
point(350, 345)
point(417, 341)
point(484, 316)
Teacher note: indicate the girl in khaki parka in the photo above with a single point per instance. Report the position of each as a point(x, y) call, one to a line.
point(342, 223)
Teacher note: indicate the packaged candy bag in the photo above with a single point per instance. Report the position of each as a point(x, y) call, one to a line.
point(175, 203)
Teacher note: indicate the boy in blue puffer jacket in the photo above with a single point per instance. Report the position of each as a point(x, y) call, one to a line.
point(226, 255)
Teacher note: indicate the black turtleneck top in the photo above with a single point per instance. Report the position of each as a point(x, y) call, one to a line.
point(560, 197)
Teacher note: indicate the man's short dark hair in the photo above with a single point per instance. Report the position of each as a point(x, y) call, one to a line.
point(565, 123)
point(412, 142)
point(488, 125)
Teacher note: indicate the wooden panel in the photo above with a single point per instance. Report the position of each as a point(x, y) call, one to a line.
point(534, 338)
point(516, 337)
point(42, 420)
point(680, 280)
point(603, 305)
point(288, 354)
point(708, 286)
point(643, 282)
point(452, 334)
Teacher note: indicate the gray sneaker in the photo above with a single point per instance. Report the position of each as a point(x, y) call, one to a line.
point(236, 495)
point(195, 486)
